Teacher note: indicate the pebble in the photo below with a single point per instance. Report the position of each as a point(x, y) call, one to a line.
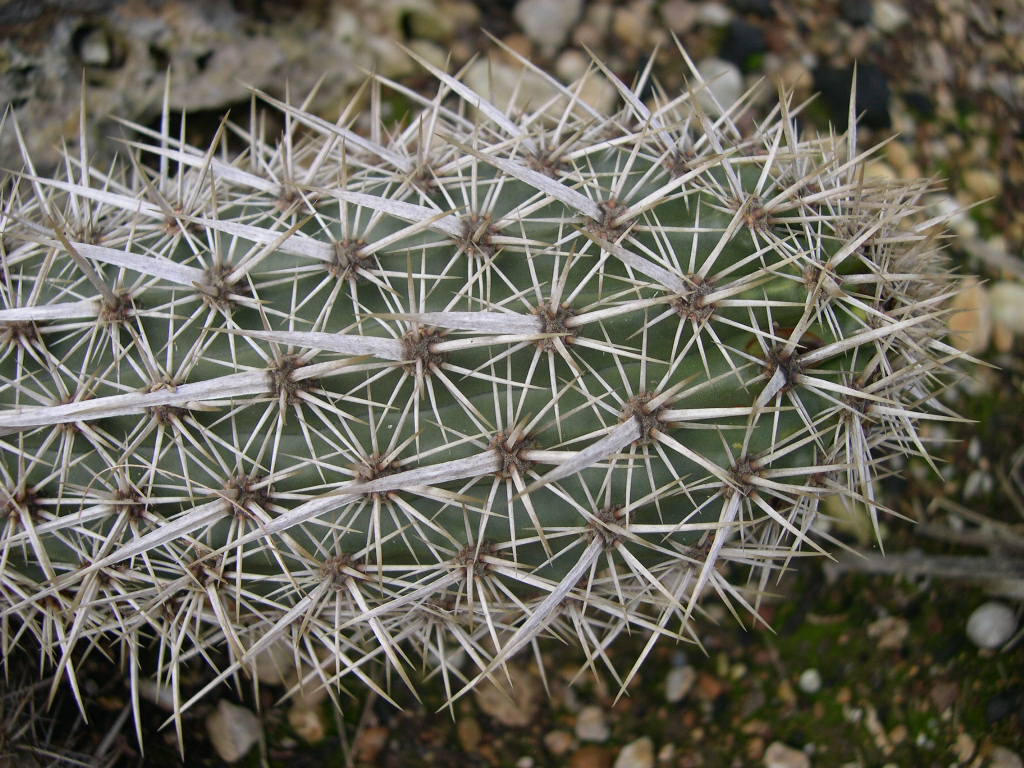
point(944, 695)
point(999, 706)
point(810, 681)
point(591, 757)
point(233, 730)
point(308, 723)
point(714, 14)
point(516, 707)
point(429, 23)
point(889, 632)
point(469, 732)
point(898, 155)
point(794, 76)
point(1007, 302)
point(310, 695)
point(94, 48)
point(678, 683)
point(763, 8)
point(958, 218)
point(571, 65)
point(591, 725)
point(598, 92)
point(432, 52)
point(889, 16)
point(588, 35)
point(679, 15)
point(547, 22)
point(779, 755)
point(981, 184)
point(1001, 757)
point(878, 169)
point(158, 694)
point(371, 742)
point(274, 664)
point(630, 25)
point(520, 44)
point(724, 85)
point(558, 742)
point(964, 747)
point(636, 754)
point(709, 687)
point(991, 624)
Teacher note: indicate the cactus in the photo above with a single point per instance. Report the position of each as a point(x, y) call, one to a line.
point(409, 399)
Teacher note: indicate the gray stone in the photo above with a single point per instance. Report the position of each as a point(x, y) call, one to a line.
point(1001, 757)
point(210, 50)
point(678, 683)
point(679, 15)
point(714, 14)
point(547, 22)
point(991, 624)
point(515, 706)
point(889, 16)
point(591, 725)
point(810, 681)
point(233, 730)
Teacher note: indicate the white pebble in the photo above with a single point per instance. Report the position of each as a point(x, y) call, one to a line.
point(810, 681)
point(888, 16)
point(991, 625)
point(233, 730)
point(161, 695)
point(547, 22)
point(591, 725)
point(714, 14)
point(678, 683)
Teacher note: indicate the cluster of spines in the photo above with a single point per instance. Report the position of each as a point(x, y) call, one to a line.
point(455, 387)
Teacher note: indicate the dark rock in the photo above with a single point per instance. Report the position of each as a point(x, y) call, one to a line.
point(762, 8)
point(1002, 705)
point(920, 102)
point(742, 43)
point(872, 94)
point(857, 12)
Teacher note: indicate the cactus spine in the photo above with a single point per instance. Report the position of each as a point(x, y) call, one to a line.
point(401, 397)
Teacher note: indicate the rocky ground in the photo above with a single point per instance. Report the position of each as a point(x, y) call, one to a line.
point(862, 668)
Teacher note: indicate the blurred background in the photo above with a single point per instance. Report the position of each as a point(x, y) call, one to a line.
point(913, 659)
